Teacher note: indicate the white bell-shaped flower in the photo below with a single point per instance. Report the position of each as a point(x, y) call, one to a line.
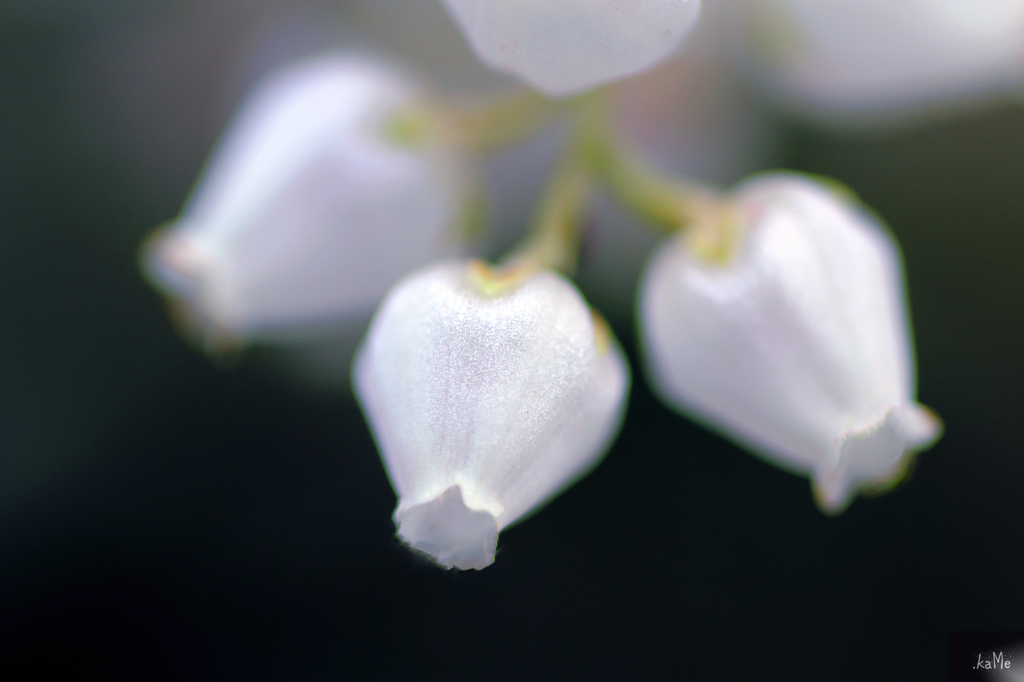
point(562, 47)
point(486, 397)
point(795, 342)
point(335, 179)
point(879, 60)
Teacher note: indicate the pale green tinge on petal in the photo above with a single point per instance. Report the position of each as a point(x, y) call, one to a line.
point(798, 348)
point(485, 404)
point(568, 46)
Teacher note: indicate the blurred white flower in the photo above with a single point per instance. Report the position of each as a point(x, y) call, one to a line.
point(335, 179)
point(487, 396)
point(566, 46)
point(884, 60)
point(794, 339)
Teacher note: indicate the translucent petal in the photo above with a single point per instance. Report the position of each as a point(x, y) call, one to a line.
point(485, 402)
point(568, 46)
point(315, 202)
point(797, 348)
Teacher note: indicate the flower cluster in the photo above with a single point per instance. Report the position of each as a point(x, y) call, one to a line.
point(775, 312)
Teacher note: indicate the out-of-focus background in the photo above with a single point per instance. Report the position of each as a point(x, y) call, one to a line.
point(166, 517)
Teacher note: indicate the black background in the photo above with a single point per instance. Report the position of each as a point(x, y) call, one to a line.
point(167, 518)
point(968, 649)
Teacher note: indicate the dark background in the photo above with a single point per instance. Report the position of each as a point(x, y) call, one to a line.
point(167, 518)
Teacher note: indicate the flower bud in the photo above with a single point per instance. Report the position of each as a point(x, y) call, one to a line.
point(334, 180)
point(486, 396)
point(567, 46)
point(794, 342)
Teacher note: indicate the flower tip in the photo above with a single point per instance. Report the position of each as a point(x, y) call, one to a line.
point(832, 494)
point(170, 260)
point(923, 426)
point(449, 532)
point(876, 459)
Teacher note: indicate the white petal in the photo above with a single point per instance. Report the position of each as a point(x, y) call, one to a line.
point(485, 403)
point(880, 60)
point(567, 46)
point(449, 532)
point(310, 209)
point(874, 454)
point(798, 348)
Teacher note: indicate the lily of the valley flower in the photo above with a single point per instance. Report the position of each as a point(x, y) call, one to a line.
point(334, 180)
point(794, 339)
point(880, 60)
point(562, 47)
point(487, 395)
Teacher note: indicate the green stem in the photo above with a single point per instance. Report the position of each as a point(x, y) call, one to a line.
point(712, 224)
point(497, 123)
point(594, 153)
point(668, 203)
point(553, 240)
